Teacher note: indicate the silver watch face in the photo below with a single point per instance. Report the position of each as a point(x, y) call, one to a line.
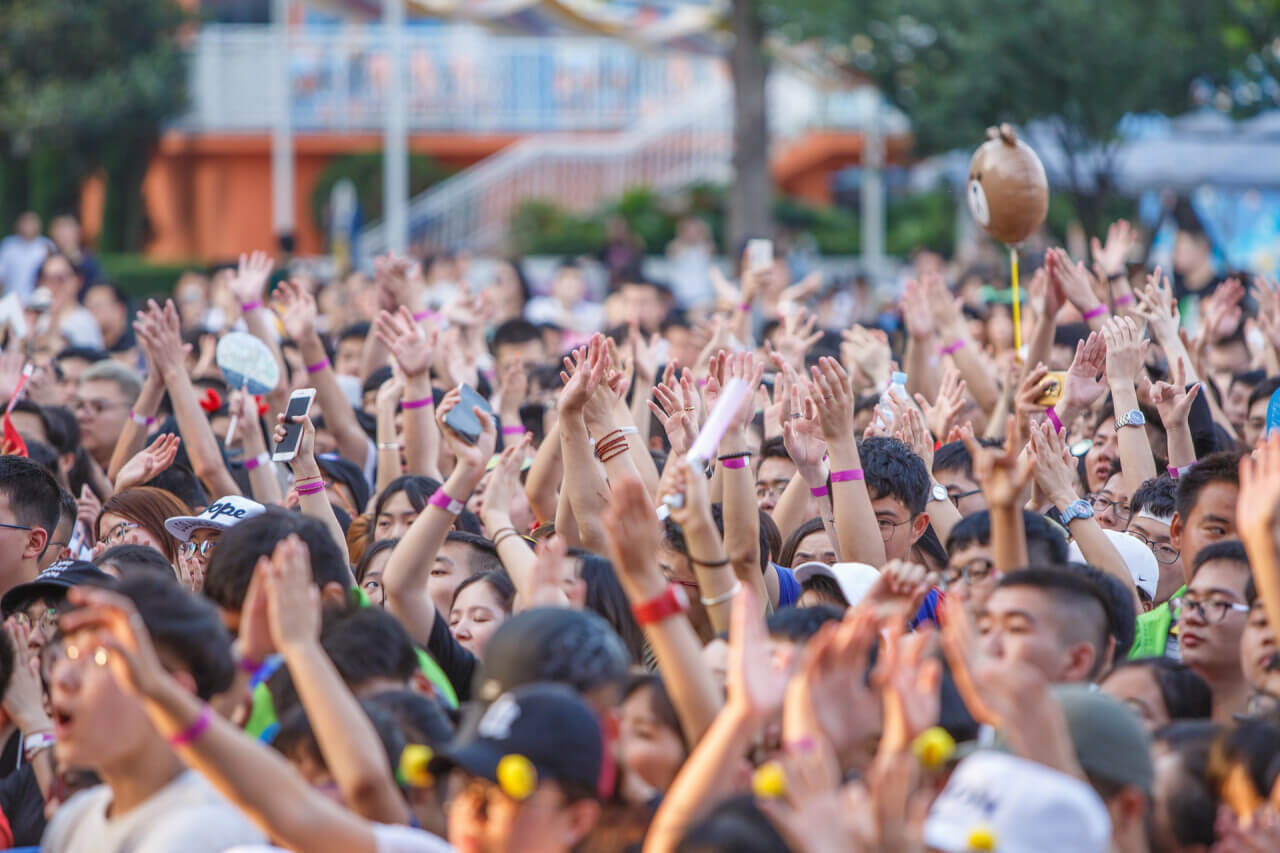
point(939, 492)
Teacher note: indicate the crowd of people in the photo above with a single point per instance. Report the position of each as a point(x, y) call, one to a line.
point(563, 568)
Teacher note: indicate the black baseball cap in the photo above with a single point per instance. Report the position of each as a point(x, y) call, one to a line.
point(53, 582)
point(573, 647)
point(545, 726)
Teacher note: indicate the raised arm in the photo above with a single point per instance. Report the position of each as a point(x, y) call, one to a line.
point(495, 513)
point(387, 404)
point(405, 578)
point(922, 341)
point(541, 486)
point(249, 286)
point(312, 499)
point(413, 350)
point(959, 344)
point(1076, 286)
point(160, 331)
point(684, 490)
point(262, 471)
point(1173, 402)
point(1257, 515)
point(1125, 350)
point(584, 484)
point(1083, 385)
point(1003, 475)
point(133, 435)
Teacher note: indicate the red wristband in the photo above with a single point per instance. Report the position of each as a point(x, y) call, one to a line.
point(819, 491)
point(193, 731)
point(740, 462)
point(1052, 416)
point(416, 404)
point(668, 604)
point(1095, 312)
point(846, 475)
point(318, 366)
point(251, 306)
point(952, 348)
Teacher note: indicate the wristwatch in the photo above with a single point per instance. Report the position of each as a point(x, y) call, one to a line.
point(1133, 417)
point(938, 492)
point(672, 601)
point(1079, 508)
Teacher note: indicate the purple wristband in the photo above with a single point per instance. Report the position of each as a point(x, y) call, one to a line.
point(952, 348)
point(514, 429)
point(256, 462)
point(1175, 473)
point(416, 404)
point(441, 500)
point(311, 489)
point(1095, 312)
point(740, 462)
point(819, 491)
point(193, 731)
point(423, 316)
point(744, 306)
point(1124, 299)
point(318, 366)
point(251, 306)
point(1052, 416)
point(846, 475)
point(249, 666)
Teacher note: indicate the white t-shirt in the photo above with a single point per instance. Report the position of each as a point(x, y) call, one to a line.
point(386, 838)
point(187, 815)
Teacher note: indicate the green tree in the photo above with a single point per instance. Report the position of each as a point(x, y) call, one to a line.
point(1078, 66)
point(85, 86)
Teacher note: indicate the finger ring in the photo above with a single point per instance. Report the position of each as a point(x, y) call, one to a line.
point(793, 416)
point(690, 409)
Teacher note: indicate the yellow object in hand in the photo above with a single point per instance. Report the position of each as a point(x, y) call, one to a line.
point(933, 747)
point(769, 780)
point(517, 777)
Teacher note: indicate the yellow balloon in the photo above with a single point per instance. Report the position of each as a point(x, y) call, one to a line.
point(414, 761)
point(517, 777)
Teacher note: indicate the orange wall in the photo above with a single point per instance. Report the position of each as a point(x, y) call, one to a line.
point(208, 196)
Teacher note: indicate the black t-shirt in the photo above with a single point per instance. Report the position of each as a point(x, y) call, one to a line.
point(458, 664)
point(23, 804)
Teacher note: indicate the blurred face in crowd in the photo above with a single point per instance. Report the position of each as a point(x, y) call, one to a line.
point(1210, 626)
point(483, 819)
point(1225, 358)
point(815, 548)
point(1155, 534)
point(506, 292)
point(1136, 686)
point(1105, 451)
point(1025, 625)
point(101, 411)
point(191, 294)
point(71, 367)
point(528, 353)
point(1236, 404)
point(649, 749)
point(898, 527)
point(771, 481)
point(1111, 504)
point(28, 226)
point(963, 490)
point(1258, 652)
point(475, 615)
point(64, 284)
point(568, 287)
point(1212, 519)
point(395, 517)
point(1255, 424)
point(971, 575)
point(682, 345)
point(372, 583)
point(64, 231)
point(452, 567)
point(347, 358)
point(644, 303)
point(111, 315)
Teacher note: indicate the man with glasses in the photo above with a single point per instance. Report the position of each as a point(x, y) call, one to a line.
point(1211, 616)
point(970, 572)
point(1111, 504)
point(102, 403)
point(29, 511)
point(36, 605)
point(953, 469)
point(774, 474)
point(1151, 513)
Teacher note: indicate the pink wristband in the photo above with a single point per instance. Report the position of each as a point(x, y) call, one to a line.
point(1124, 299)
point(1052, 417)
point(514, 429)
point(423, 316)
point(251, 306)
point(1175, 473)
point(740, 462)
point(311, 489)
point(846, 475)
point(193, 731)
point(141, 420)
point(819, 491)
point(952, 348)
point(441, 500)
point(256, 462)
point(249, 666)
point(416, 404)
point(318, 366)
point(1095, 312)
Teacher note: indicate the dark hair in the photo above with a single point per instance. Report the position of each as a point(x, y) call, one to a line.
point(187, 626)
point(1192, 806)
point(1247, 377)
point(1157, 496)
point(148, 507)
point(954, 456)
point(1046, 545)
point(373, 550)
point(30, 408)
point(483, 556)
point(659, 702)
point(798, 624)
point(62, 427)
point(358, 331)
point(606, 597)
point(1231, 550)
point(501, 585)
point(1263, 390)
point(1252, 744)
point(93, 355)
point(44, 456)
point(788, 554)
point(1185, 694)
point(239, 547)
point(827, 588)
point(768, 533)
point(295, 735)
point(134, 560)
point(421, 718)
point(1221, 467)
point(1089, 604)
point(674, 536)
point(182, 483)
point(735, 825)
point(892, 470)
point(67, 506)
point(33, 494)
point(774, 448)
point(1122, 616)
point(7, 654)
point(417, 489)
point(515, 332)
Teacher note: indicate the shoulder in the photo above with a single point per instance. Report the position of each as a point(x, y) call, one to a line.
point(72, 815)
point(390, 838)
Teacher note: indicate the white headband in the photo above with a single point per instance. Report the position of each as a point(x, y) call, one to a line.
point(1152, 516)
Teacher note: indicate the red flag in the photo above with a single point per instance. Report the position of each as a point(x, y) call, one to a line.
point(12, 443)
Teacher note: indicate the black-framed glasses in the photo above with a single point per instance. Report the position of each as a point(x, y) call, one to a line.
point(1165, 553)
point(888, 525)
point(956, 497)
point(15, 526)
point(190, 549)
point(1212, 611)
point(1102, 503)
point(974, 571)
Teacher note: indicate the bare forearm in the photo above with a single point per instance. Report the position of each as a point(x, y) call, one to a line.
point(515, 555)
point(262, 477)
point(922, 371)
point(388, 448)
point(540, 487)
point(588, 493)
point(421, 435)
point(339, 417)
point(741, 515)
point(197, 435)
point(1008, 538)
point(792, 508)
point(1182, 448)
point(1041, 343)
point(133, 437)
point(1136, 463)
point(318, 507)
point(856, 525)
point(972, 369)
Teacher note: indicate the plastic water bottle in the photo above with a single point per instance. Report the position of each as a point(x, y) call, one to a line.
point(897, 388)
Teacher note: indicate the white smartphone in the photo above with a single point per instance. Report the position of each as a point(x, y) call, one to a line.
point(299, 405)
point(759, 255)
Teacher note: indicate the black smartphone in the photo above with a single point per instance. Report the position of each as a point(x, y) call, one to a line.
point(462, 420)
point(299, 405)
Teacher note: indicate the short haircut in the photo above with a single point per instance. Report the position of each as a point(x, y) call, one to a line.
point(736, 824)
point(416, 488)
point(421, 718)
point(1122, 616)
point(1185, 694)
point(774, 448)
point(892, 470)
point(1081, 608)
point(67, 505)
point(482, 556)
point(1193, 803)
point(798, 624)
point(187, 626)
point(124, 377)
point(25, 405)
point(148, 507)
point(954, 456)
point(43, 455)
point(34, 496)
point(1229, 550)
point(132, 560)
point(239, 547)
point(1157, 496)
point(357, 331)
point(1263, 390)
point(1221, 467)
point(295, 737)
point(1046, 544)
point(182, 483)
point(93, 355)
point(1247, 377)
point(514, 333)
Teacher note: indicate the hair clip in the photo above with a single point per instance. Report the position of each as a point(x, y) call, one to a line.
point(211, 401)
point(517, 777)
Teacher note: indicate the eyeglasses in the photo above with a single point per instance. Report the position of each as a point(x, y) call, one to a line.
point(1211, 611)
point(190, 549)
point(16, 526)
point(1165, 553)
point(956, 497)
point(975, 571)
point(48, 620)
point(1101, 503)
point(94, 407)
point(118, 532)
point(773, 490)
point(888, 525)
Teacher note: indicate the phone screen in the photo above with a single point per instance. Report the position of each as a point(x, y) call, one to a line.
point(299, 405)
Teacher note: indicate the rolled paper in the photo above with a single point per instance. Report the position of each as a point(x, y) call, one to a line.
point(731, 397)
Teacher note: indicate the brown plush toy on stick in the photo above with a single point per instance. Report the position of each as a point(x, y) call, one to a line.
point(1008, 191)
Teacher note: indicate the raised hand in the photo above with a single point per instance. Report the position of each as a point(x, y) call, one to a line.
point(1083, 385)
point(802, 437)
point(1173, 400)
point(797, 336)
point(1156, 305)
point(897, 593)
point(1111, 255)
point(412, 348)
point(149, 462)
point(1126, 351)
point(1033, 386)
point(1074, 281)
point(160, 330)
point(868, 351)
point(1053, 473)
point(677, 419)
point(644, 353)
point(1258, 503)
point(390, 392)
point(909, 428)
point(910, 680)
point(834, 398)
point(117, 636)
point(1267, 294)
point(756, 684)
point(584, 370)
point(477, 455)
point(634, 537)
point(941, 415)
point(688, 485)
point(250, 281)
point(1223, 311)
point(305, 460)
point(915, 311)
point(504, 483)
point(393, 276)
point(1002, 473)
point(24, 696)
point(296, 308)
point(744, 366)
point(293, 600)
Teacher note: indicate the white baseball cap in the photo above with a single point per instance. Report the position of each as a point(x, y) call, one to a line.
point(854, 579)
point(1019, 806)
point(219, 515)
point(1137, 556)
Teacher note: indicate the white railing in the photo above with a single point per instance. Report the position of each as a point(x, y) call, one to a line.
point(459, 78)
point(473, 208)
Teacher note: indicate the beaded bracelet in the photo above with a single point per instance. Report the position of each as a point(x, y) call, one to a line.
point(318, 366)
point(846, 475)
